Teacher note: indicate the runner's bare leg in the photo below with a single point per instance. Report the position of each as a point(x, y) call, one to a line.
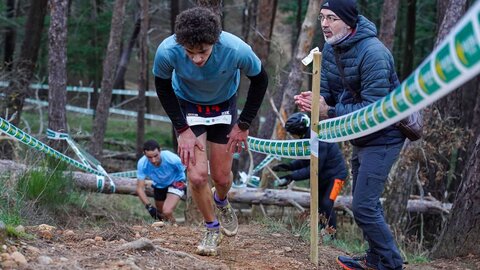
point(198, 179)
point(221, 168)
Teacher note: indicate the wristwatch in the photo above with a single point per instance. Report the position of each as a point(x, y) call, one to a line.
point(243, 125)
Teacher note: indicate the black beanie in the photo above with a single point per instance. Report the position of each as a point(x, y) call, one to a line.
point(345, 10)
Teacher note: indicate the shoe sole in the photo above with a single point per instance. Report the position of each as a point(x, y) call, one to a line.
point(206, 252)
point(344, 266)
point(227, 232)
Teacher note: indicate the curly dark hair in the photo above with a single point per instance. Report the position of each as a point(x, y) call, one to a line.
point(196, 26)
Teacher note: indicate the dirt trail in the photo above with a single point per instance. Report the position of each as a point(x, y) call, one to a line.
point(170, 247)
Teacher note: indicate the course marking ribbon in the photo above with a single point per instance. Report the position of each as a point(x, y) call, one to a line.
point(295, 149)
point(87, 159)
point(34, 143)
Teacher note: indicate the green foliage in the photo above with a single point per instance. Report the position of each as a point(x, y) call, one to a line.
point(425, 33)
point(291, 223)
point(349, 238)
point(9, 205)
point(291, 8)
point(87, 39)
point(46, 186)
point(417, 258)
point(273, 225)
point(11, 232)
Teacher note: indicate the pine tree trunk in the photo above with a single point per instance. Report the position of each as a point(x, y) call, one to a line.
point(57, 71)
point(119, 82)
point(410, 39)
point(215, 5)
point(9, 34)
point(389, 22)
point(296, 76)
point(24, 68)
point(261, 41)
point(461, 234)
point(109, 68)
point(423, 162)
point(25, 65)
point(142, 78)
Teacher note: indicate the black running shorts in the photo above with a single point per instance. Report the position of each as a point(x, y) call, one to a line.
point(216, 120)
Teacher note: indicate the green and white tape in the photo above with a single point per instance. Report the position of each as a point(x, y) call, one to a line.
point(264, 163)
point(87, 159)
point(34, 143)
point(295, 149)
point(129, 174)
point(455, 61)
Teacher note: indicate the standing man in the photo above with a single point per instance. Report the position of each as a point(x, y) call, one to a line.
point(332, 171)
point(197, 74)
point(357, 70)
point(167, 172)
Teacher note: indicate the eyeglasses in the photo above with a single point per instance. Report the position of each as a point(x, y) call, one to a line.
point(329, 18)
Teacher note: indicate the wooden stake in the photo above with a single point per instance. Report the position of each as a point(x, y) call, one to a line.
point(317, 59)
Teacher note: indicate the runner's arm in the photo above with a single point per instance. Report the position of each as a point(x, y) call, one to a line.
point(170, 103)
point(141, 192)
point(256, 92)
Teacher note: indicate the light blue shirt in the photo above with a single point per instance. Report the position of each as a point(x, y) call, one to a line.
point(216, 81)
point(170, 170)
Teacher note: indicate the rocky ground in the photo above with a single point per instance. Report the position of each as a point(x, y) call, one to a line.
point(160, 246)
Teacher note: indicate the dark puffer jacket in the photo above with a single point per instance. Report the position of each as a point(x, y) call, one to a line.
point(369, 70)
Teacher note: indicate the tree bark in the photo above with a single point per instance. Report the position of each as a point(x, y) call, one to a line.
point(119, 82)
point(57, 71)
point(25, 65)
point(278, 197)
point(142, 77)
point(215, 5)
point(453, 106)
point(261, 41)
point(265, 20)
point(249, 16)
point(424, 161)
point(9, 34)
point(296, 76)
point(174, 10)
point(461, 234)
point(389, 22)
point(109, 68)
point(410, 39)
point(298, 23)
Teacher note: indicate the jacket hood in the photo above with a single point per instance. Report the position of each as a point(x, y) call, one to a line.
point(365, 29)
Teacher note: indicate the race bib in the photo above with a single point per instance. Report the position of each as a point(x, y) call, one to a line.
point(208, 114)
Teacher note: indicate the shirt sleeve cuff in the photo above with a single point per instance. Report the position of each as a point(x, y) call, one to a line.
point(331, 112)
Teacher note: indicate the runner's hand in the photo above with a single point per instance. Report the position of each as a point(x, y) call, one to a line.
point(186, 147)
point(236, 138)
point(304, 101)
point(151, 210)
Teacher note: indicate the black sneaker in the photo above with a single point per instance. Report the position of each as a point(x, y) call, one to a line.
point(354, 263)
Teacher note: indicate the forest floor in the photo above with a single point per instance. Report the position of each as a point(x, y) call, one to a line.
point(173, 247)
